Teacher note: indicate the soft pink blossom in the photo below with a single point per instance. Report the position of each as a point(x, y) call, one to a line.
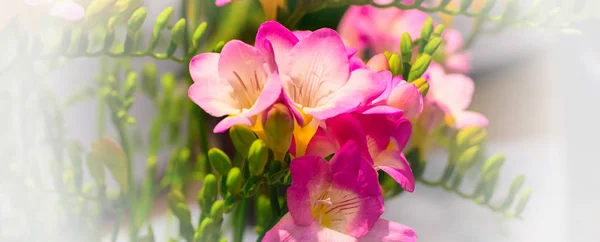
point(451, 94)
point(340, 200)
point(380, 137)
point(222, 2)
point(31, 10)
point(380, 29)
point(237, 83)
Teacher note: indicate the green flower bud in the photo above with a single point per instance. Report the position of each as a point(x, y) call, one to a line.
point(427, 29)
point(523, 202)
point(206, 228)
point(263, 207)
point(467, 158)
point(197, 37)
point(406, 47)
point(438, 30)
point(432, 45)
point(491, 166)
point(168, 85)
point(234, 180)
point(137, 19)
point(130, 84)
point(470, 136)
point(419, 67)
point(395, 64)
point(242, 138)
point(258, 155)
point(219, 160)
point(175, 197)
point(177, 36)
point(217, 210)
point(209, 191)
point(278, 127)
point(515, 186)
point(161, 22)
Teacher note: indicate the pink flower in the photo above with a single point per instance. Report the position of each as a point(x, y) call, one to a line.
point(320, 78)
point(450, 94)
point(340, 200)
point(380, 138)
point(237, 83)
point(380, 29)
point(31, 10)
point(222, 2)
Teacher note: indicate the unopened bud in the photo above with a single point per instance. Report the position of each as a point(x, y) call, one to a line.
point(258, 156)
point(217, 210)
point(395, 65)
point(422, 85)
point(467, 158)
point(137, 19)
point(470, 136)
point(161, 22)
point(234, 180)
point(427, 28)
point(208, 194)
point(406, 47)
point(378, 62)
point(419, 67)
point(492, 166)
point(220, 161)
point(279, 127)
point(523, 202)
point(242, 138)
point(432, 45)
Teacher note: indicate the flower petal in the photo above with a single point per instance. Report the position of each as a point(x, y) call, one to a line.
point(453, 90)
point(318, 66)
point(395, 164)
point(322, 144)
point(222, 2)
point(469, 118)
point(270, 93)
point(286, 230)
point(406, 96)
point(458, 62)
point(338, 127)
point(311, 176)
point(356, 63)
point(388, 231)
point(281, 40)
point(228, 122)
point(209, 91)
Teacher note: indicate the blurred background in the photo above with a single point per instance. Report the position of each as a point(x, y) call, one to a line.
point(540, 90)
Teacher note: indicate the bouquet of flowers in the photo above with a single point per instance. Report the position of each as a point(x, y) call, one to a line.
point(331, 108)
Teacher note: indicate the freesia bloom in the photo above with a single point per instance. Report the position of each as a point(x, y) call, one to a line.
point(340, 200)
point(237, 83)
point(318, 79)
point(380, 29)
point(450, 94)
point(380, 139)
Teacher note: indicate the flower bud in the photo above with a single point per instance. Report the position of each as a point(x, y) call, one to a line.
point(422, 85)
point(242, 138)
point(208, 194)
point(217, 210)
point(419, 67)
point(427, 28)
point(137, 19)
point(492, 166)
point(278, 126)
point(523, 202)
point(220, 161)
point(406, 96)
point(395, 65)
point(177, 36)
point(470, 136)
point(467, 158)
point(406, 47)
point(258, 155)
point(161, 22)
point(432, 45)
point(378, 62)
point(206, 229)
point(234, 181)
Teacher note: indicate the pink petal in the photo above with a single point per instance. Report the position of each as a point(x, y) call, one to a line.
point(301, 34)
point(356, 63)
point(350, 51)
point(222, 2)
point(354, 175)
point(311, 175)
point(318, 63)
point(270, 94)
point(388, 231)
point(281, 42)
point(209, 91)
point(454, 90)
point(228, 122)
point(67, 10)
point(244, 67)
point(322, 144)
point(286, 230)
point(394, 163)
point(454, 40)
point(382, 109)
point(458, 62)
point(433, 115)
point(466, 119)
point(338, 127)
point(391, 82)
point(406, 96)
point(402, 130)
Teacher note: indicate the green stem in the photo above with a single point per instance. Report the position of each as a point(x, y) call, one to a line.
point(274, 199)
point(240, 221)
point(115, 232)
point(130, 178)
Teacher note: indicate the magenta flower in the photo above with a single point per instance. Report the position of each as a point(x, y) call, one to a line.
point(450, 94)
point(380, 29)
point(222, 2)
point(380, 138)
point(237, 83)
point(319, 76)
point(340, 200)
